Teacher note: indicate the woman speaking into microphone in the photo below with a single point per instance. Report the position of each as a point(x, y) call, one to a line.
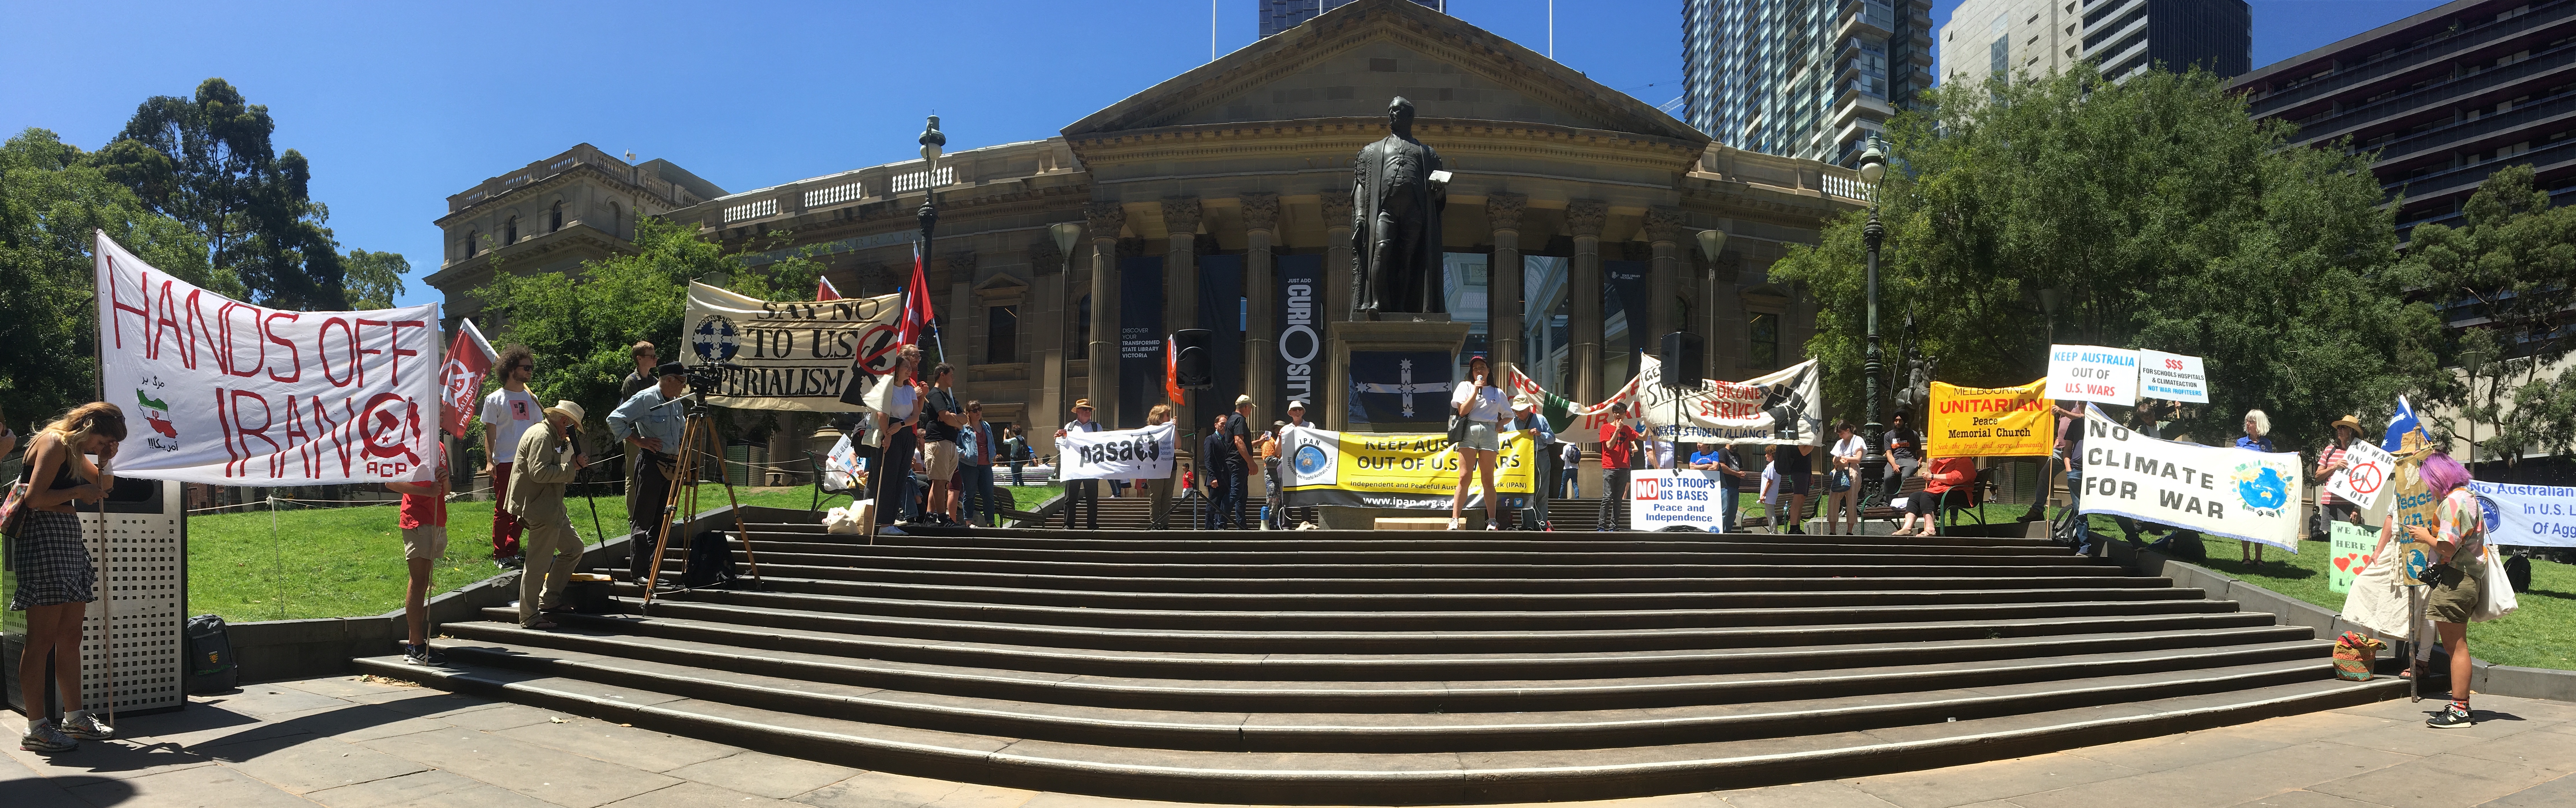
point(1484, 407)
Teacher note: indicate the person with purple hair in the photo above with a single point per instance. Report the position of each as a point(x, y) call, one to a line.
point(2456, 582)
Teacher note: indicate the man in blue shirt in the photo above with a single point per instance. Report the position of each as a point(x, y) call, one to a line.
point(1730, 481)
point(653, 430)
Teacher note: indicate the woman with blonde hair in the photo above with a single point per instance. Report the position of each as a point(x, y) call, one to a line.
point(55, 575)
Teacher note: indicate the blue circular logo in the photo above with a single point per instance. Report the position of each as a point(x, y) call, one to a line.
point(715, 339)
point(1310, 459)
point(2487, 509)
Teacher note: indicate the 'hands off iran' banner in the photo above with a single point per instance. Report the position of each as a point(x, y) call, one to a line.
point(224, 392)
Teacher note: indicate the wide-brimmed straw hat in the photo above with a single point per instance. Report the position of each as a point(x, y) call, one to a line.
point(568, 409)
point(1082, 403)
point(2354, 422)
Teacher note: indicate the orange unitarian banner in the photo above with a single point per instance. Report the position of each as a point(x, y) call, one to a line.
point(1990, 421)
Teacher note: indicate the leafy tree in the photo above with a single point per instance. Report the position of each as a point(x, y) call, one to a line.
point(580, 324)
point(2169, 220)
point(374, 279)
point(52, 200)
point(2511, 267)
point(207, 161)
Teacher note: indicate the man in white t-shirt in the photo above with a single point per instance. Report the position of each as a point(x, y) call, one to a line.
point(507, 414)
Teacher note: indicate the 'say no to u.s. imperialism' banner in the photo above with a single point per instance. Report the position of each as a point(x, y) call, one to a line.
point(790, 355)
point(1990, 421)
point(224, 392)
point(1391, 469)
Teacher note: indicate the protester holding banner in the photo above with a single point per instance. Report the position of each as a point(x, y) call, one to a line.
point(423, 522)
point(1158, 491)
point(1618, 445)
point(651, 427)
point(56, 576)
point(2333, 460)
point(547, 458)
point(893, 477)
point(1078, 493)
point(1531, 419)
point(2258, 437)
point(1730, 484)
point(1842, 496)
point(2457, 579)
point(507, 415)
point(1484, 407)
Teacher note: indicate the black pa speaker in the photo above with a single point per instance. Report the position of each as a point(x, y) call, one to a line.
point(1682, 359)
point(1195, 363)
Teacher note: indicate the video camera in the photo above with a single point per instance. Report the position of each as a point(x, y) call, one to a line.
point(703, 379)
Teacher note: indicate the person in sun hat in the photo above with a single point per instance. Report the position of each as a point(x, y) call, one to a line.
point(1526, 415)
point(1084, 494)
point(546, 458)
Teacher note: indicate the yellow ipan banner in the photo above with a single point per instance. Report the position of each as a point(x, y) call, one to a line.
point(1990, 421)
point(1392, 470)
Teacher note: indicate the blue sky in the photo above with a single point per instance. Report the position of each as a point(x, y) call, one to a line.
point(399, 105)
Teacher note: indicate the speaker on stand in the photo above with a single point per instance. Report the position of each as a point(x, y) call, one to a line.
point(1682, 363)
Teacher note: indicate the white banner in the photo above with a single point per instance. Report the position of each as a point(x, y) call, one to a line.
point(2093, 373)
point(791, 355)
point(1126, 454)
point(224, 392)
point(2230, 492)
point(1782, 407)
point(1663, 498)
point(2172, 377)
point(2528, 515)
point(2366, 475)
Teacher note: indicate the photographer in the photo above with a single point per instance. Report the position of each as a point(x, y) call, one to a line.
point(651, 427)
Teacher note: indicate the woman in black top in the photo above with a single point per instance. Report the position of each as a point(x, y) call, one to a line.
point(55, 576)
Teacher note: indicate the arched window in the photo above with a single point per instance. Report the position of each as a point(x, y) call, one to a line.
point(554, 218)
point(511, 235)
point(473, 244)
point(615, 215)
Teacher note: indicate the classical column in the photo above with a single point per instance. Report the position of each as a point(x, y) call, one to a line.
point(1664, 275)
point(1104, 219)
point(965, 317)
point(1181, 274)
point(1042, 328)
point(1503, 305)
point(1339, 274)
point(1583, 218)
point(1261, 295)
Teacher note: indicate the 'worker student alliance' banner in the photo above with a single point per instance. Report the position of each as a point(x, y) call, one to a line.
point(1392, 469)
point(1144, 453)
point(789, 355)
point(223, 392)
point(2230, 492)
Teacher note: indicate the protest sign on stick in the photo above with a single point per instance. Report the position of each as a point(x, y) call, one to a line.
point(228, 393)
point(1990, 421)
point(2365, 474)
point(2093, 373)
point(2172, 377)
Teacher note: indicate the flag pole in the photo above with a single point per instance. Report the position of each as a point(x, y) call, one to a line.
point(106, 605)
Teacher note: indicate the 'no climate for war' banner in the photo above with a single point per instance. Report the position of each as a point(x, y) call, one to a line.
point(223, 392)
point(1990, 421)
point(1391, 469)
point(2231, 492)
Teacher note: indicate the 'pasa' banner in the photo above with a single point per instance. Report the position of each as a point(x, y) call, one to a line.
point(460, 379)
point(224, 392)
point(1990, 421)
point(1144, 453)
point(1392, 469)
point(2231, 492)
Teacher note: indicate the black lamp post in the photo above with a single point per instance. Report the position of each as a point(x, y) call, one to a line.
point(1873, 166)
point(931, 140)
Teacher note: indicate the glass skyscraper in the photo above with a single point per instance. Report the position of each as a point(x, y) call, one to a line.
point(1281, 15)
point(1811, 79)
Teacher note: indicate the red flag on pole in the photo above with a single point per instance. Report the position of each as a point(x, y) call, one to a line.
point(460, 380)
point(1172, 371)
point(823, 290)
point(916, 305)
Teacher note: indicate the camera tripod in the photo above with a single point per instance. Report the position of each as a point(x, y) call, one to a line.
point(694, 427)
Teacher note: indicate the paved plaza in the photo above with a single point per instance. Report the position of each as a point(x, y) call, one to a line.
point(348, 742)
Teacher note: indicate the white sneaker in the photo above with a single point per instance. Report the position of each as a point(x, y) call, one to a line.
point(87, 726)
point(1454, 522)
point(43, 737)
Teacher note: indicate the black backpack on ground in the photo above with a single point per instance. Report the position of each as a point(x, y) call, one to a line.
point(2517, 571)
point(210, 655)
point(710, 562)
point(2188, 548)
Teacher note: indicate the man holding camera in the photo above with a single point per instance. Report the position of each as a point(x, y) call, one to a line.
point(653, 432)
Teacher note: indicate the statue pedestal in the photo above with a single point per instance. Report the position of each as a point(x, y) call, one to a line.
point(1425, 334)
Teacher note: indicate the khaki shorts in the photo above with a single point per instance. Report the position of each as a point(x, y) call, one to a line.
point(943, 459)
point(426, 541)
point(2452, 595)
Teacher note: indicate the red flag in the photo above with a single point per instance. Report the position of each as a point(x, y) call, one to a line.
point(1171, 371)
point(823, 290)
point(916, 305)
point(460, 380)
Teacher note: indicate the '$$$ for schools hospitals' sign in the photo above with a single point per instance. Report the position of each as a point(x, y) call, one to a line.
point(2231, 492)
point(1391, 469)
point(227, 393)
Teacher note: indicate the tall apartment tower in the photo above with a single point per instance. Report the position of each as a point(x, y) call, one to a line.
point(1281, 15)
point(1811, 79)
point(2445, 97)
point(2004, 37)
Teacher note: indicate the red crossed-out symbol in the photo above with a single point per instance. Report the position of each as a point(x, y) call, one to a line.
point(2367, 477)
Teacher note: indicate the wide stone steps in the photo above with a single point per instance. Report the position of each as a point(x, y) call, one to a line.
point(1358, 667)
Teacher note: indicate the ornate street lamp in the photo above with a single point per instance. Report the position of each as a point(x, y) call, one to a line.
point(1873, 167)
point(931, 140)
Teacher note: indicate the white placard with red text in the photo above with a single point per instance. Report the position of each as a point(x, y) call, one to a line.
point(224, 392)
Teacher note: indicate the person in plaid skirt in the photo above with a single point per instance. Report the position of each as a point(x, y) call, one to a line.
point(55, 575)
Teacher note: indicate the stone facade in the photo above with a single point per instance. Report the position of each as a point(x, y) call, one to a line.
point(1244, 164)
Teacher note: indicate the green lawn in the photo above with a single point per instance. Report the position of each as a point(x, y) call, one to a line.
point(347, 562)
point(2541, 634)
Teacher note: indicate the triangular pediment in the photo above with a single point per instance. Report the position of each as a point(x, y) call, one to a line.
point(1348, 62)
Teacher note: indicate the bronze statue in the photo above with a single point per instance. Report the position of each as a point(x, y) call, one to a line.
point(1397, 192)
